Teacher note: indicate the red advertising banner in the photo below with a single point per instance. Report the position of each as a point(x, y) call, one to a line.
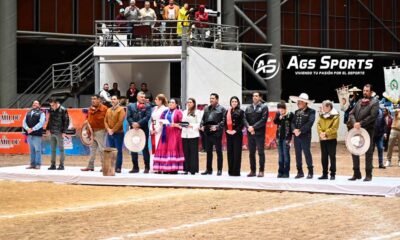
point(12, 117)
point(13, 143)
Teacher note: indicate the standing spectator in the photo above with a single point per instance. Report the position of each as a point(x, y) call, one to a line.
point(148, 15)
point(149, 95)
point(115, 91)
point(353, 101)
point(171, 12)
point(132, 14)
point(190, 137)
point(156, 127)
point(132, 92)
point(327, 127)
point(256, 116)
point(96, 115)
point(234, 123)
point(113, 122)
point(379, 132)
point(302, 123)
point(394, 136)
point(183, 18)
point(388, 120)
point(212, 123)
point(364, 116)
point(33, 127)
point(57, 126)
point(138, 116)
point(105, 95)
point(201, 18)
point(169, 157)
point(283, 119)
point(122, 27)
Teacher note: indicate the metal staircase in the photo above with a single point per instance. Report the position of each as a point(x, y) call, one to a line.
point(60, 80)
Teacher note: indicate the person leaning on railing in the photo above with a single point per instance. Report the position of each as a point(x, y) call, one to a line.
point(183, 17)
point(131, 13)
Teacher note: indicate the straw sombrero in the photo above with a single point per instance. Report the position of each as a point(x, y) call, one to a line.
point(135, 140)
point(355, 89)
point(87, 134)
point(303, 97)
point(358, 141)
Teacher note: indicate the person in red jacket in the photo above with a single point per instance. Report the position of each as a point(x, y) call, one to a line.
point(201, 18)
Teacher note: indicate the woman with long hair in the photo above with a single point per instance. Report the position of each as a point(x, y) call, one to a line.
point(155, 128)
point(190, 136)
point(169, 157)
point(234, 123)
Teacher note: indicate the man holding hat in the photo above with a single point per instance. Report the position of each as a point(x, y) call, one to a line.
point(138, 116)
point(96, 115)
point(364, 116)
point(302, 123)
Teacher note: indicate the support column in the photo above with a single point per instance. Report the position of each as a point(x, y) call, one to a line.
point(274, 85)
point(184, 68)
point(96, 75)
point(8, 52)
point(228, 16)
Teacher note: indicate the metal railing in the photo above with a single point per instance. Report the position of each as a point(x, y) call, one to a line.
point(59, 76)
point(126, 33)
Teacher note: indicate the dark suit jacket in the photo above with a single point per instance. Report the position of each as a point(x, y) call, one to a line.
point(257, 118)
point(140, 116)
point(365, 115)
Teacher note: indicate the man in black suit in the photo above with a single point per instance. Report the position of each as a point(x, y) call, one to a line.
point(138, 116)
point(364, 116)
point(256, 116)
point(212, 124)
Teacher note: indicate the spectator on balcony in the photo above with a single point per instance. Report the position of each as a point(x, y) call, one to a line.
point(115, 91)
point(131, 13)
point(171, 12)
point(105, 95)
point(121, 26)
point(132, 92)
point(183, 17)
point(201, 17)
point(148, 15)
point(149, 95)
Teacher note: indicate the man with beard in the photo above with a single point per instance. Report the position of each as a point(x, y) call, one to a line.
point(364, 116)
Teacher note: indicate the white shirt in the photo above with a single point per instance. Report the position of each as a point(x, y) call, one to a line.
point(105, 96)
point(171, 14)
point(193, 121)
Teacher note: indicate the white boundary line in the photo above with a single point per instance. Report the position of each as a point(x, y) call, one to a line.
point(224, 219)
point(387, 236)
point(103, 204)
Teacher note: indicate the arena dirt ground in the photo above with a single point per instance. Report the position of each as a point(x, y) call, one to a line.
point(30, 210)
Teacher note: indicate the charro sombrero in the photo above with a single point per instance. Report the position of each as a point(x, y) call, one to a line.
point(87, 134)
point(303, 97)
point(135, 140)
point(358, 141)
point(355, 89)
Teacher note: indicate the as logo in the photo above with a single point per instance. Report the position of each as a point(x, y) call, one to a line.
point(266, 65)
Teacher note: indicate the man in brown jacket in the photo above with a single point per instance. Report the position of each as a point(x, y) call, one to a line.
point(115, 132)
point(95, 118)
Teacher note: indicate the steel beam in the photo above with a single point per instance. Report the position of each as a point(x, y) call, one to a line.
point(250, 22)
point(379, 20)
point(250, 69)
point(256, 22)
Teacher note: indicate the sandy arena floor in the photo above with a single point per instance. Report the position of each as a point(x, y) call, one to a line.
point(57, 211)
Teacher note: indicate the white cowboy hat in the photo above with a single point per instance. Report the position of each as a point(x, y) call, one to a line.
point(303, 97)
point(87, 134)
point(358, 141)
point(135, 140)
point(355, 89)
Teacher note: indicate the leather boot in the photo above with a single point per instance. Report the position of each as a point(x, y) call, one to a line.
point(310, 173)
point(356, 175)
point(300, 174)
point(368, 175)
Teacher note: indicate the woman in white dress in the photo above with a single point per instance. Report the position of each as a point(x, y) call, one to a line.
point(190, 136)
point(155, 126)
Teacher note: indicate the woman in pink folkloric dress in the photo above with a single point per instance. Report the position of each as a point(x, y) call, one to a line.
point(169, 157)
